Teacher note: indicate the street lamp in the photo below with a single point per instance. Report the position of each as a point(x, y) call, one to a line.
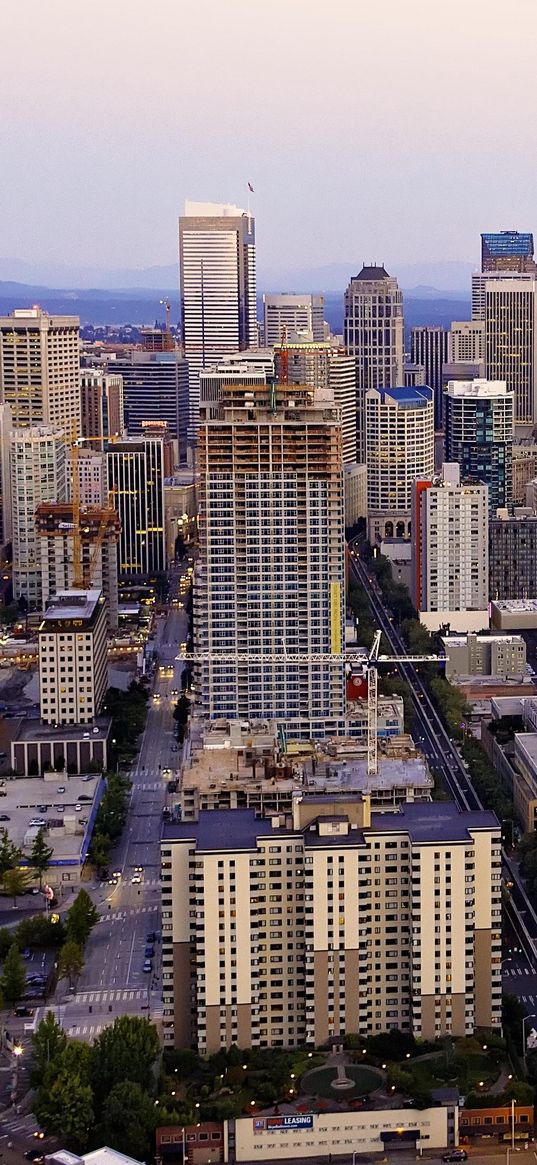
point(17, 1053)
point(524, 1022)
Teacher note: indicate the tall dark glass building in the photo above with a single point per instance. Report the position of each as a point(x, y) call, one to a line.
point(479, 434)
point(507, 251)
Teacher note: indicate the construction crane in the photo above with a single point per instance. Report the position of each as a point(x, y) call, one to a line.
point(364, 665)
point(167, 307)
point(82, 571)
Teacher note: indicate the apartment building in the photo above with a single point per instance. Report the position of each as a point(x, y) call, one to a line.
point(37, 459)
point(40, 368)
point(73, 663)
point(102, 403)
point(99, 536)
point(429, 348)
point(285, 932)
point(466, 342)
point(513, 555)
point(399, 450)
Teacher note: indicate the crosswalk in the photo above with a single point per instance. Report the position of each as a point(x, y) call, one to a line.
point(145, 882)
point(515, 972)
point(121, 915)
point(17, 1123)
point(148, 786)
point(110, 996)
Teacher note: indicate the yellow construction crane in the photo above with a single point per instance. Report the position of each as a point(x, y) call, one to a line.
point(82, 571)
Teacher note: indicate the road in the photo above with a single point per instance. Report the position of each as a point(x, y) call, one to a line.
point(445, 759)
point(113, 981)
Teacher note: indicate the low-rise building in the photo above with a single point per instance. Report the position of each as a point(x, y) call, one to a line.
point(513, 614)
point(65, 807)
point(524, 789)
point(80, 747)
point(501, 1124)
point(295, 1136)
point(502, 656)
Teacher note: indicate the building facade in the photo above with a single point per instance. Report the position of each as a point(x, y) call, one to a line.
point(102, 403)
point(218, 290)
point(399, 449)
point(38, 473)
point(136, 475)
point(373, 333)
point(302, 316)
point(270, 578)
point(73, 662)
point(466, 342)
point(503, 656)
point(450, 552)
point(99, 536)
point(40, 369)
point(513, 557)
point(511, 341)
point(429, 347)
point(479, 434)
point(155, 389)
point(335, 920)
point(507, 251)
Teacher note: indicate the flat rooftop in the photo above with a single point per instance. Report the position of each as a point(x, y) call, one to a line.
point(462, 640)
point(527, 742)
point(73, 604)
point(34, 797)
point(515, 605)
point(238, 829)
point(34, 730)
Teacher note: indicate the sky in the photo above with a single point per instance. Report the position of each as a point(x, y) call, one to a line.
point(392, 131)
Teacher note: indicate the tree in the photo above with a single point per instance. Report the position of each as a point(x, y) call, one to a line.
point(70, 962)
point(100, 850)
point(128, 1120)
point(40, 855)
point(125, 1051)
point(15, 882)
point(37, 931)
point(49, 1041)
point(65, 1107)
point(81, 919)
point(13, 979)
point(9, 854)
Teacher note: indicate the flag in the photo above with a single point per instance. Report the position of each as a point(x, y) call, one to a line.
point(250, 188)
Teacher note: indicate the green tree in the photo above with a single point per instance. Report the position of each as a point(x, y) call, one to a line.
point(76, 1059)
point(15, 882)
point(37, 931)
point(81, 919)
point(70, 962)
point(128, 1120)
point(100, 850)
point(40, 855)
point(125, 1051)
point(9, 854)
point(48, 1041)
point(65, 1107)
point(13, 979)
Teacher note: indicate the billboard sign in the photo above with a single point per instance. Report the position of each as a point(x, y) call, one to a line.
point(289, 1122)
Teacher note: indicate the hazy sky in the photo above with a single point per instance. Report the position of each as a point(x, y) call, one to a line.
point(382, 129)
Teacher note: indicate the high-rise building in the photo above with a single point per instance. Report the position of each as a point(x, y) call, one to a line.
point(479, 434)
point(136, 475)
point(513, 556)
point(73, 662)
point(302, 317)
point(429, 347)
point(6, 426)
point(212, 381)
point(323, 366)
point(218, 290)
point(38, 473)
point(507, 251)
point(99, 536)
point(399, 449)
point(450, 552)
point(414, 375)
point(466, 342)
point(155, 388)
point(255, 965)
point(373, 333)
point(479, 284)
point(271, 577)
point(511, 341)
point(40, 369)
point(102, 405)
point(91, 469)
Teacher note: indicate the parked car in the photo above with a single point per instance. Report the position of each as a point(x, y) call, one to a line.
point(147, 967)
point(23, 1012)
point(455, 1155)
point(60, 789)
point(149, 951)
point(151, 936)
point(37, 822)
point(35, 1155)
point(5, 817)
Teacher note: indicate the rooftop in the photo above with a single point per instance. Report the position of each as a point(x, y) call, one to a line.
point(416, 395)
point(74, 604)
point(516, 606)
point(28, 798)
point(527, 742)
point(238, 829)
point(33, 730)
point(372, 272)
point(478, 388)
point(500, 243)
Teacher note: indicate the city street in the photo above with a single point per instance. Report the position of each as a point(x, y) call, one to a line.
point(113, 981)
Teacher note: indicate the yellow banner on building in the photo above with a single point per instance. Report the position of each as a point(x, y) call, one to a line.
point(335, 617)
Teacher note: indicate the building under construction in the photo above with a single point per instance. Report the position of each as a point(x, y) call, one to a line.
point(99, 534)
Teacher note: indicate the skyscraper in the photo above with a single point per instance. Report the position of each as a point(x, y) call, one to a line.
point(466, 342)
point(479, 434)
point(271, 577)
point(511, 341)
point(101, 396)
point(399, 449)
point(218, 290)
point(155, 388)
point(373, 333)
point(429, 347)
point(507, 251)
point(38, 474)
point(136, 475)
point(40, 369)
point(73, 661)
point(301, 315)
point(323, 366)
point(450, 552)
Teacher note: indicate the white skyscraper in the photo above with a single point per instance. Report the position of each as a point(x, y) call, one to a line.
point(218, 289)
point(301, 315)
point(40, 369)
point(399, 449)
point(38, 474)
point(466, 342)
point(373, 333)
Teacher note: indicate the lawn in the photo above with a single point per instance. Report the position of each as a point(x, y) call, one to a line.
point(319, 1082)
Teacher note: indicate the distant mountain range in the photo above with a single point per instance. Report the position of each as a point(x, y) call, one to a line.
point(451, 277)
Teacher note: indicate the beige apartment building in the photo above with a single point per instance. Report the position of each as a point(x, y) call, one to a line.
point(284, 932)
point(73, 664)
point(40, 368)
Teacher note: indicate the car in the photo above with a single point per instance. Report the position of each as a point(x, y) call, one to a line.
point(113, 881)
point(26, 953)
point(138, 869)
point(175, 748)
point(151, 936)
point(136, 879)
point(147, 967)
point(42, 808)
point(78, 808)
point(60, 789)
point(5, 817)
point(149, 952)
point(35, 1155)
point(23, 1012)
point(88, 777)
point(35, 977)
point(37, 822)
point(85, 797)
point(455, 1155)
